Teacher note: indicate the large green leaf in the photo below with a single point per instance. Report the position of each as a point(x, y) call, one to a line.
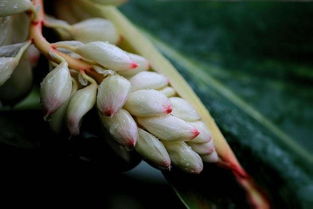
point(251, 64)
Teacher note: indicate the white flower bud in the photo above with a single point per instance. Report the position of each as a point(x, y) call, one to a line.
point(148, 80)
point(168, 91)
point(107, 55)
point(202, 148)
point(182, 109)
point(112, 94)
point(7, 66)
point(10, 56)
point(57, 118)
point(122, 127)
point(10, 7)
point(169, 128)
point(145, 103)
point(81, 102)
point(19, 84)
point(210, 158)
point(143, 64)
point(95, 29)
point(205, 134)
point(56, 88)
point(152, 149)
point(184, 157)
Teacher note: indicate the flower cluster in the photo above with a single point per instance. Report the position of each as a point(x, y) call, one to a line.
point(137, 105)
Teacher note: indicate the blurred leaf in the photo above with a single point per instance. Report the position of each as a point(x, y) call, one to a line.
point(251, 64)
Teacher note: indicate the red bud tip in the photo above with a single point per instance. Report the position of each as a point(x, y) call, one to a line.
point(168, 109)
point(131, 143)
point(133, 65)
point(195, 133)
point(108, 112)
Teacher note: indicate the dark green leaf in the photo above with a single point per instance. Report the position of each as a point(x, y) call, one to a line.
point(251, 64)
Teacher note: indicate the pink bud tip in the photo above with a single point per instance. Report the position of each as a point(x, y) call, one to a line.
point(131, 143)
point(133, 65)
point(195, 133)
point(168, 109)
point(108, 112)
point(166, 164)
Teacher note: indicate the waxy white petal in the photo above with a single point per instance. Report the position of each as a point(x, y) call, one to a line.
point(107, 55)
point(150, 148)
point(205, 134)
point(169, 128)
point(95, 29)
point(184, 157)
point(112, 94)
point(81, 102)
point(122, 127)
point(148, 80)
point(145, 103)
point(202, 148)
point(56, 88)
point(182, 109)
point(168, 91)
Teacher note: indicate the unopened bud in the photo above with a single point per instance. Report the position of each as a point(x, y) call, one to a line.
point(143, 64)
point(122, 127)
point(152, 149)
point(184, 157)
point(95, 29)
point(202, 148)
point(169, 128)
point(205, 134)
point(11, 7)
point(182, 109)
point(148, 80)
point(210, 158)
point(107, 55)
point(145, 103)
point(112, 94)
point(7, 66)
point(81, 102)
point(10, 56)
point(168, 91)
point(56, 88)
point(19, 84)
point(57, 118)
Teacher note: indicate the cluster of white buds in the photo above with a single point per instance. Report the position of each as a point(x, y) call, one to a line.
point(136, 105)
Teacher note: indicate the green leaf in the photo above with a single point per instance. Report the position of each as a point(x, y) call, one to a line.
point(250, 63)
